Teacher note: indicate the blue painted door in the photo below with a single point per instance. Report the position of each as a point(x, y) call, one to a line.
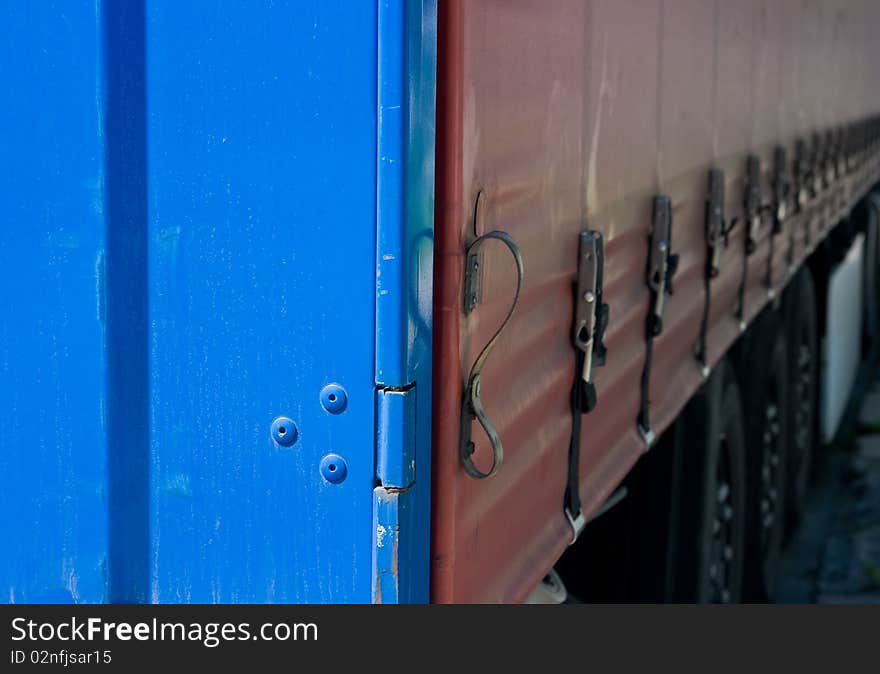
point(53, 467)
point(261, 173)
point(193, 227)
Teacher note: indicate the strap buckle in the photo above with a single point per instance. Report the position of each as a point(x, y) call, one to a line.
point(577, 524)
point(781, 188)
point(754, 207)
point(816, 159)
point(591, 313)
point(717, 233)
point(717, 228)
point(588, 330)
point(801, 171)
point(662, 264)
point(830, 163)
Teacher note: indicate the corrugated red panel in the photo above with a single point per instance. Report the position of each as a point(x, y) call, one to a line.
point(571, 115)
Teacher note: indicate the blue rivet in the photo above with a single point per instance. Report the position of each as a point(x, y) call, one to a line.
point(333, 398)
point(284, 431)
point(333, 468)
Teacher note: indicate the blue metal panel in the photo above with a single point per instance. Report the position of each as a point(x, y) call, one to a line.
point(192, 328)
point(53, 500)
point(262, 181)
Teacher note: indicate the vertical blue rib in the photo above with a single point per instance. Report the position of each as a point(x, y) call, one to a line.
point(126, 299)
point(53, 537)
point(404, 269)
point(391, 333)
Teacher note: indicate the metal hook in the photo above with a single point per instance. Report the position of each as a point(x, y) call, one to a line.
point(472, 404)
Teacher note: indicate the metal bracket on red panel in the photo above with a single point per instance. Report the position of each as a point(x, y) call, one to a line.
point(839, 153)
point(817, 150)
point(781, 190)
point(662, 265)
point(591, 313)
point(588, 333)
point(753, 202)
point(850, 146)
point(717, 234)
point(472, 403)
point(855, 147)
point(813, 183)
point(717, 227)
point(820, 157)
point(856, 140)
point(801, 174)
point(755, 212)
point(829, 165)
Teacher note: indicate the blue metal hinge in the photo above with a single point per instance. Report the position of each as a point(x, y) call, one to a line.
point(396, 436)
point(396, 474)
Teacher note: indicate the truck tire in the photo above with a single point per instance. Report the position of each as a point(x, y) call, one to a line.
point(709, 513)
point(764, 399)
point(803, 389)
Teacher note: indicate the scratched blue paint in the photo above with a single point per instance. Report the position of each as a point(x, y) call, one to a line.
point(390, 509)
point(53, 497)
point(262, 174)
point(194, 212)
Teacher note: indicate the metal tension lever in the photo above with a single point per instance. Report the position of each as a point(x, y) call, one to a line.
point(781, 188)
point(662, 264)
point(817, 159)
point(588, 332)
point(801, 173)
point(754, 207)
point(591, 313)
point(717, 228)
point(830, 158)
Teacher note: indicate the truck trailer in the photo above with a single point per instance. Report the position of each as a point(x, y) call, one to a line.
point(470, 301)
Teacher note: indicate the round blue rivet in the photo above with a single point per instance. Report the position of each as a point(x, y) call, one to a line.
point(333, 468)
point(333, 398)
point(284, 431)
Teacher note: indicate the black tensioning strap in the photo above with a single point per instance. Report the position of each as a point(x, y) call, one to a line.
point(661, 268)
point(579, 404)
point(587, 333)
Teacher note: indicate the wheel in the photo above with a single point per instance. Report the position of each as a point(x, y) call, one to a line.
point(802, 387)
point(709, 514)
point(764, 399)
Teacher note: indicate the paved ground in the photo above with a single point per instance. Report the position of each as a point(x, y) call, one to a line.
point(834, 557)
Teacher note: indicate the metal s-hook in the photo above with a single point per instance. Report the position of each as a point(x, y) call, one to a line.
point(472, 404)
